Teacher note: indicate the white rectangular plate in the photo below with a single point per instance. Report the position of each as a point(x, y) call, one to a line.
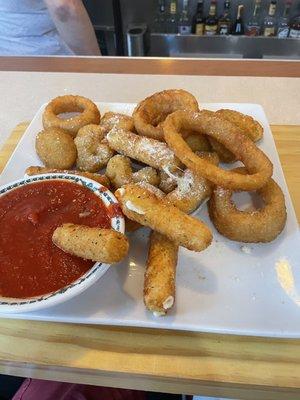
point(221, 289)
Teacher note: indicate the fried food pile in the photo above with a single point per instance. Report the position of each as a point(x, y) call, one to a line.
point(162, 163)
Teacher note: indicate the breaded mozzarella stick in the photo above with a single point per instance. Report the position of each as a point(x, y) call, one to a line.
point(143, 206)
point(149, 151)
point(159, 283)
point(97, 244)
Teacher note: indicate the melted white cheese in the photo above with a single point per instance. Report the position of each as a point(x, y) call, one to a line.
point(129, 204)
point(168, 302)
point(158, 313)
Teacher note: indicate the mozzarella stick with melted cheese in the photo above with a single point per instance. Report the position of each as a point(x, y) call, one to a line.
point(159, 283)
point(145, 207)
point(97, 244)
point(148, 151)
point(191, 190)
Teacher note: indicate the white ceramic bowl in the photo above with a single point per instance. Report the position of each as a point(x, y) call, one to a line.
point(14, 305)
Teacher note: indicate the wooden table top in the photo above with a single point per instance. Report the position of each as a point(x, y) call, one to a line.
point(159, 360)
point(154, 65)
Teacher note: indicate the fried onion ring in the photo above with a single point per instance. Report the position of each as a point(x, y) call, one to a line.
point(258, 165)
point(248, 126)
point(89, 113)
point(152, 111)
point(92, 153)
point(262, 225)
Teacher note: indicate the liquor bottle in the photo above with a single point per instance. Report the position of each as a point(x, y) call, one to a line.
point(269, 24)
point(283, 23)
point(253, 26)
point(238, 26)
point(198, 20)
point(184, 25)
point(172, 18)
point(295, 28)
point(211, 22)
point(160, 17)
point(224, 21)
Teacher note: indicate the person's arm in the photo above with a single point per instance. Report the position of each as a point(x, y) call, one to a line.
point(74, 26)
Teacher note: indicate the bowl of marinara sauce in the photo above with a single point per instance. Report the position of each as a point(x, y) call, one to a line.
point(34, 273)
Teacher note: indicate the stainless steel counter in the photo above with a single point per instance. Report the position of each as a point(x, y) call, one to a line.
point(168, 45)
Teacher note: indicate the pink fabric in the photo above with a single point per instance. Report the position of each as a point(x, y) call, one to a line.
point(35, 389)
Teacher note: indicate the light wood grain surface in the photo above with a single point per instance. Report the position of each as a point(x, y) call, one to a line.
point(159, 360)
point(154, 65)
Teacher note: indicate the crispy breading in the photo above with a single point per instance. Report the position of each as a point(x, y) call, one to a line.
point(191, 190)
point(119, 171)
point(146, 174)
point(56, 148)
point(249, 126)
point(149, 151)
point(159, 283)
point(111, 119)
point(97, 244)
point(145, 207)
point(152, 111)
point(93, 153)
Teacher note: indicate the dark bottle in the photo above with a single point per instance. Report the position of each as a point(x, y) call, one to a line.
point(160, 17)
point(198, 20)
point(172, 20)
point(283, 23)
point(211, 22)
point(184, 24)
point(295, 27)
point(269, 25)
point(253, 26)
point(224, 21)
point(238, 26)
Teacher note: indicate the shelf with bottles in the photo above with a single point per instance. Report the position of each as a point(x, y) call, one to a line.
point(268, 23)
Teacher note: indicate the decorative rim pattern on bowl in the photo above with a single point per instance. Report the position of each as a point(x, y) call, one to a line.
point(98, 268)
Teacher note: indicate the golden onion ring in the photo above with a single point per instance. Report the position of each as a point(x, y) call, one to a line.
point(258, 165)
point(262, 225)
point(89, 113)
point(152, 111)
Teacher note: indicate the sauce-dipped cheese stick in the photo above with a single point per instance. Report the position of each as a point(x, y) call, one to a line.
point(142, 205)
point(97, 244)
point(159, 283)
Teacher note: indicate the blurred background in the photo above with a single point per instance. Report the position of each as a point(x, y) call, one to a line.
point(265, 29)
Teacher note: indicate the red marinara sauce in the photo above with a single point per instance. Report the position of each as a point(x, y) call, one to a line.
point(30, 264)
